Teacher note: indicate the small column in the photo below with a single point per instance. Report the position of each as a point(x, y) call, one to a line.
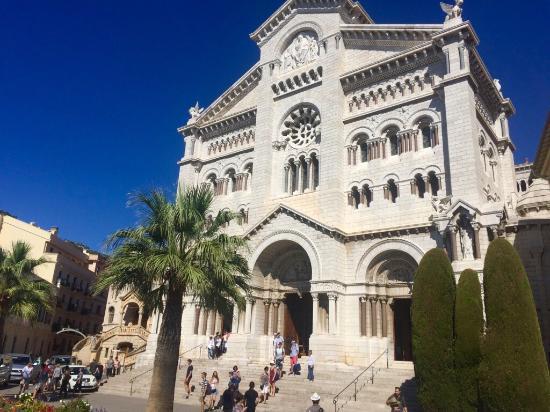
point(389, 317)
point(235, 324)
point(275, 317)
point(315, 326)
point(203, 322)
point(363, 315)
point(197, 320)
point(267, 328)
point(248, 315)
point(300, 177)
point(373, 316)
point(378, 318)
point(384, 311)
point(211, 323)
point(332, 313)
point(286, 178)
point(354, 155)
point(452, 233)
point(349, 155)
point(290, 180)
point(368, 317)
point(477, 246)
point(140, 316)
point(307, 180)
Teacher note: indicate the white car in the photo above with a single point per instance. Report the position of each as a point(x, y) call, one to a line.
point(89, 382)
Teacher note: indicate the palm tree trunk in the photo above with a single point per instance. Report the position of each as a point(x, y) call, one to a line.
point(165, 367)
point(2, 327)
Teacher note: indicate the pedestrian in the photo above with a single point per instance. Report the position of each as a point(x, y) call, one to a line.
point(225, 339)
point(277, 339)
point(211, 346)
point(280, 358)
point(310, 366)
point(251, 398)
point(116, 365)
point(41, 381)
point(57, 376)
point(315, 407)
point(396, 401)
point(235, 377)
point(63, 390)
point(110, 367)
point(205, 390)
point(272, 379)
point(188, 376)
point(218, 344)
point(264, 385)
point(26, 374)
point(98, 373)
point(78, 383)
point(239, 403)
point(214, 384)
point(294, 351)
point(227, 399)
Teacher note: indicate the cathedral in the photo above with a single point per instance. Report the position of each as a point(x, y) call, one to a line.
point(350, 149)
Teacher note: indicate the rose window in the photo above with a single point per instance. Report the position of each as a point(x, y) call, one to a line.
point(301, 127)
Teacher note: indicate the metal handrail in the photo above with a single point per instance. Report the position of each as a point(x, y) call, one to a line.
point(150, 370)
point(356, 380)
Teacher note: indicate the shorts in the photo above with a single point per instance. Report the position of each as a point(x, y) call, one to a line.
point(25, 381)
point(265, 390)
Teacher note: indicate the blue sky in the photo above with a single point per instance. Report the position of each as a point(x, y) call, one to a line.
point(91, 92)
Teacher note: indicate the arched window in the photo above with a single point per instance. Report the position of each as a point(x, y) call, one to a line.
point(392, 191)
point(433, 183)
point(315, 171)
point(111, 314)
point(426, 131)
point(248, 176)
point(367, 195)
point(391, 135)
point(420, 185)
point(212, 180)
point(231, 180)
point(523, 186)
point(355, 197)
point(294, 176)
point(243, 217)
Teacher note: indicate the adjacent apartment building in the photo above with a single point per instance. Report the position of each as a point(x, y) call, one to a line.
point(72, 271)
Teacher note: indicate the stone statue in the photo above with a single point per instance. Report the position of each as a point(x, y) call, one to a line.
point(304, 49)
point(466, 238)
point(452, 12)
point(195, 112)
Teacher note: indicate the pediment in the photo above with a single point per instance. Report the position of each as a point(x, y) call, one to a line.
point(351, 11)
point(461, 204)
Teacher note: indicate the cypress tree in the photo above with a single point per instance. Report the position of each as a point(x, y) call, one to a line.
point(432, 332)
point(468, 333)
point(514, 373)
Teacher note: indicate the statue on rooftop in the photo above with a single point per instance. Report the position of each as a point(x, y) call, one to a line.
point(195, 112)
point(451, 11)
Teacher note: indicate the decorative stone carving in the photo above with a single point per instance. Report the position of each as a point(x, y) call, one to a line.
point(492, 195)
point(302, 127)
point(195, 113)
point(452, 12)
point(304, 49)
point(441, 204)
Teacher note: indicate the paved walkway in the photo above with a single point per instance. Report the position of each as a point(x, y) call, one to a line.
point(111, 403)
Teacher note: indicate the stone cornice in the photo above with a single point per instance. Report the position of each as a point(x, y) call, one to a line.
point(390, 35)
point(405, 61)
point(226, 124)
point(351, 11)
point(336, 233)
point(242, 86)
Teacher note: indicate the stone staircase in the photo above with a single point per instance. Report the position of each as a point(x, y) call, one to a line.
point(294, 391)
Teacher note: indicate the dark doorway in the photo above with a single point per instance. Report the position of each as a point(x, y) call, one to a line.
point(298, 321)
point(402, 329)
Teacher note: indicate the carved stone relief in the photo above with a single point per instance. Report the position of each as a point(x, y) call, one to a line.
point(303, 50)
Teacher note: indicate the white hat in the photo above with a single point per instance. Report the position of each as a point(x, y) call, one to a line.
point(315, 397)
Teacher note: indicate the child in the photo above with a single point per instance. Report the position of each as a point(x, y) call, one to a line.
point(310, 366)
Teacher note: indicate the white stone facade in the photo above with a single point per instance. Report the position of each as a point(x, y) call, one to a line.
point(350, 149)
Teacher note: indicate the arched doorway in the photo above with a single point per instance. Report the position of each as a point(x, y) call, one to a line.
point(131, 314)
point(283, 270)
point(393, 270)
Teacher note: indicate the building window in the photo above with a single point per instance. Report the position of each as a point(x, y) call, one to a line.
point(434, 184)
point(355, 197)
point(367, 195)
point(391, 135)
point(420, 185)
point(301, 175)
point(111, 315)
point(391, 191)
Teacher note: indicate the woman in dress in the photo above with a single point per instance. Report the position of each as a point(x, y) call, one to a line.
point(214, 381)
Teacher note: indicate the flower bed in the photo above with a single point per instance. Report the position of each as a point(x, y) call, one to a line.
point(26, 403)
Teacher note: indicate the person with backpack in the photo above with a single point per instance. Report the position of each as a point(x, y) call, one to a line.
point(280, 358)
point(294, 351)
point(251, 398)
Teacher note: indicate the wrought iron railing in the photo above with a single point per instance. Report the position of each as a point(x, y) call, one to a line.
point(359, 382)
point(199, 347)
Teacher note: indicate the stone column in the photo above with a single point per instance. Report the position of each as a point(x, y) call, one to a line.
point(354, 155)
point(384, 310)
point(211, 323)
point(378, 318)
point(315, 326)
point(454, 250)
point(290, 188)
point(267, 328)
point(300, 177)
point(197, 320)
point(203, 322)
point(235, 324)
point(373, 316)
point(389, 317)
point(307, 180)
point(477, 246)
point(275, 319)
point(368, 317)
point(248, 315)
point(140, 316)
point(332, 313)
point(363, 315)
point(286, 177)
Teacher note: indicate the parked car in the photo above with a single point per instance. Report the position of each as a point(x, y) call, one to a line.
point(18, 361)
point(5, 371)
point(89, 382)
point(63, 360)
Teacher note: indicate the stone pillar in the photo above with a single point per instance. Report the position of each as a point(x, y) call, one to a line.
point(311, 175)
point(211, 323)
point(454, 250)
point(315, 326)
point(332, 313)
point(307, 177)
point(267, 328)
point(368, 317)
point(140, 316)
point(300, 177)
point(203, 322)
point(354, 155)
point(384, 310)
point(378, 318)
point(363, 316)
point(275, 320)
point(389, 317)
point(373, 316)
point(219, 323)
point(290, 188)
point(248, 315)
point(477, 246)
point(197, 320)
point(235, 324)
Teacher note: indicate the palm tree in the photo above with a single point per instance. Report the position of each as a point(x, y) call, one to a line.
point(22, 294)
point(176, 250)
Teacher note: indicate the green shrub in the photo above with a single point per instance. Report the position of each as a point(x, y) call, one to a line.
point(433, 334)
point(468, 334)
point(514, 373)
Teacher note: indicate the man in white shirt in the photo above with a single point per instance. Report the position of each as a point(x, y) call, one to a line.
point(211, 346)
point(26, 374)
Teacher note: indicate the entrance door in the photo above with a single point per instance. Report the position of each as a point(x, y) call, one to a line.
point(298, 321)
point(402, 329)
